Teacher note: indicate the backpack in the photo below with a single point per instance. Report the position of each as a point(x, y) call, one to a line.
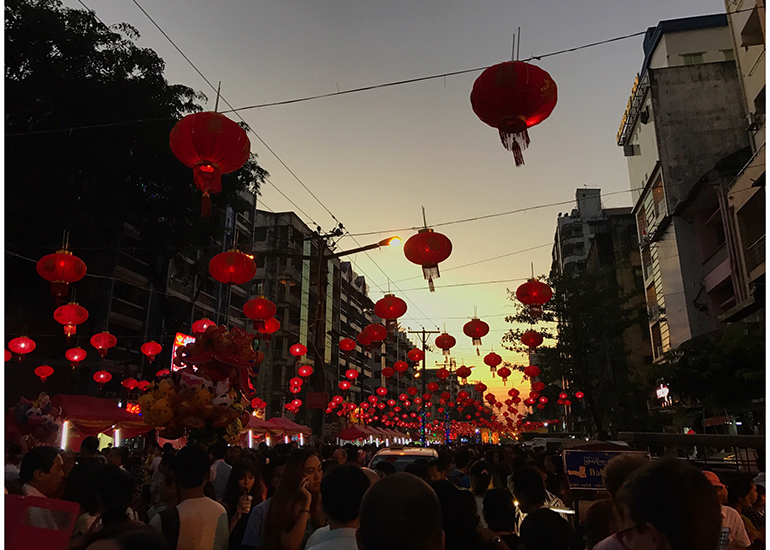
point(169, 525)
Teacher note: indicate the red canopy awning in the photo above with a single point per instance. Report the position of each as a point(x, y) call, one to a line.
point(95, 415)
point(288, 427)
point(352, 433)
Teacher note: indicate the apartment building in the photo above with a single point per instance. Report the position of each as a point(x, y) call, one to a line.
point(685, 115)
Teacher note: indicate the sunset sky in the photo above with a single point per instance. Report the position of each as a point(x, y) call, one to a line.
point(376, 157)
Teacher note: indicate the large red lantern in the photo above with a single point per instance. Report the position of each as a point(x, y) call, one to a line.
point(129, 384)
point(428, 248)
point(233, 267)
point(347, 345)
point(22, 346)
point(445, 342)
point(476, 329)
point(61, 269)
point(75, 356)
point(376, 332)
point(513, 96)
point(442, 374)
point(259, 310)
point(344, 385)
point(531, 339)
point(534, 294)
point(532, 371)
point(492, 360)
point(8, 356)
point(70, 315)
point(102, 377)
point(43, 372)
point(269, 327)
point(432, 386)
point(298, 350)
point(211, 144)
point(103, 342)
point(352, 374)
point(579, 394)
point(382, 391)
point(400, 366)
point(143, 385)
point(390, 308)
point(151, 349)
point(200, 326)
point(305, 371)
point(388, 372)
point(538, 386)
point(415, 355)
point(463, 373)
point(480, 387)
point(504, 373)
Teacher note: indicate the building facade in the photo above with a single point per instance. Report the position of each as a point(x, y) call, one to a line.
point(685, 115)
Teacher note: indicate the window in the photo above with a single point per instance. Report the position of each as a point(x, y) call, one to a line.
point(693, 58)
point(729, 55)
point(260, 233)
point(657, 196)
point(638, 279)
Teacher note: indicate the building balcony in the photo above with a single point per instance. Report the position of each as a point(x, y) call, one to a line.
point(755, 255)
point(289, 272)
point(715, 260)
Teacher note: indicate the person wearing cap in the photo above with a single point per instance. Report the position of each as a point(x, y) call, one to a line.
point(734, 533)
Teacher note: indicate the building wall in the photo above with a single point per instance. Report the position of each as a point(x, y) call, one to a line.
point(713, 44)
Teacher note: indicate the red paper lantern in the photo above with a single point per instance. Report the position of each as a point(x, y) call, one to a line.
point(151, 349)
point(388, 372)
point(305, 371)
point(295, 381)
point(364, 339)
point(61, 269)
point(445, 342)
point(432, 386)
point(531, 339)
point(103, 341)
point(476, 329)
point(376, 332)
point(504, 373)
point(391, 402)
point(337, 399)
point(298, 350)
point(480, 387)
point(390, 307)
point(400, 366)
point(200, 326)
point(372, 399)
point(532, 371)
point(43, 372)
point(534, 294)
point(579, 394)
point(143, 385)
point(563, 396)
point(259, 310)
point(347, 345)
point(8, 356)
point(102, 377)
point(296, 403)
point(411, 390)
point(75, 356)
point(269, 327)
point(428, 248)
point(70, 315)
point(344, 385)
point(211, 144)
point(352, 374)
point(463, 373)
point(129, 383)
point(22, 346)
point(442, 374)
point(513, 96)
point(233, 268)
point(513, 392)
point(492, 360)
point(415, 355)
point(543, 399)
point(538, 386)
point(382, 391)
point(567, 403)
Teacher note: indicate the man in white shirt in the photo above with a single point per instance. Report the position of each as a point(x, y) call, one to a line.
point(200, 523)
point(41, 472)
point(732, 523)
point(220, 470)
point(342, 490)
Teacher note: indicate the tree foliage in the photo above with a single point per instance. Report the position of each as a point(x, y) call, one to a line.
point(718, 372)
point(583, 346)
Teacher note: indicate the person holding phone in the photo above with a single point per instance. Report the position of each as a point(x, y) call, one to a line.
point(295, 509)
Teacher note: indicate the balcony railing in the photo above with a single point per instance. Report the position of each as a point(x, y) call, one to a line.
point(755, 254)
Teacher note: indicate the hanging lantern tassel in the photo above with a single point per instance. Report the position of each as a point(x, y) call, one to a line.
point(515, 140)
point(430, 272)
point(205, 205)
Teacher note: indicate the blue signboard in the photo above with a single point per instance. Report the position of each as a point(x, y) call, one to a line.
point(584, 468)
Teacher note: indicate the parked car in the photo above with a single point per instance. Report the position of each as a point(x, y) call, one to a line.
point(399, 457)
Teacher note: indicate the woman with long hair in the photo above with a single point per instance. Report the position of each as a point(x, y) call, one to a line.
point(244, 489)
point(295, 509)
point(481, 477)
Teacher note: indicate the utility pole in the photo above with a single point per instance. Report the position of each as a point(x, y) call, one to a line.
point(450, 365)
point(424, 339)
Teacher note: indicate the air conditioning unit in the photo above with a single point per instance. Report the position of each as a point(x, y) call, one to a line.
point(755, 121)
point(631, 150)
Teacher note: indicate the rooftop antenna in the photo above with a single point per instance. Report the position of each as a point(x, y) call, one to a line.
point(216, 103)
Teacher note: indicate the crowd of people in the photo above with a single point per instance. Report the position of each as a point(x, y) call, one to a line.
point(323, 497)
